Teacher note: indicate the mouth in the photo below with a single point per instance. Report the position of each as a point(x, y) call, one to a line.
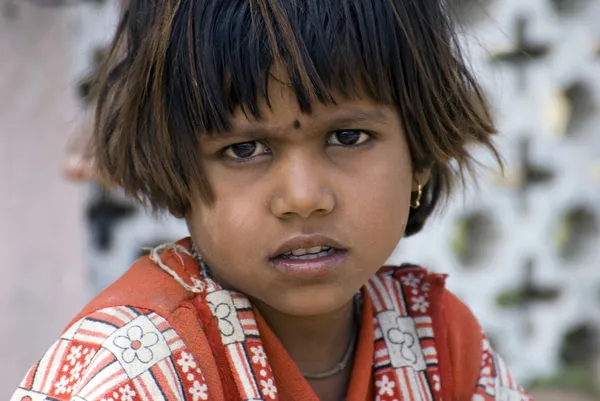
point(308, 257)
point(307, 247)
point(309, 254)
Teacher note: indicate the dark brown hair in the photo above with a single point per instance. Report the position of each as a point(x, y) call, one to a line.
point(178, 69)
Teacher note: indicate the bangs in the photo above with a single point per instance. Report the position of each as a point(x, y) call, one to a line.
point(221, 54)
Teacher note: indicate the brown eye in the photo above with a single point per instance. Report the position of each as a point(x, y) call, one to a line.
point(246, 150)
point(348, 138)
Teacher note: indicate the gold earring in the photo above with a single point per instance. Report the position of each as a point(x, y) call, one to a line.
point(417, 202)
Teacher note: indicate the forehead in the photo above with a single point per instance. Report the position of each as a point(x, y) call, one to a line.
point(281, 111)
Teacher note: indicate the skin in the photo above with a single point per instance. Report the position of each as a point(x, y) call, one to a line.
point(299, 180)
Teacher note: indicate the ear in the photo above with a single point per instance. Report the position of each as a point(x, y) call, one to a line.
point(420, 177)
point(178, 214)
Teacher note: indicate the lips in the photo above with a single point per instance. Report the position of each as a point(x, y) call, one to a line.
point(309, 257)
point(305, 244)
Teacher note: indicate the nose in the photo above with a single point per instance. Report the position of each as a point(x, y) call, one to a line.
point(303, 189)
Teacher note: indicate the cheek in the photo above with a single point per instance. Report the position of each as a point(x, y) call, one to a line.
point(227, 225)
point(389, 177)
point(380, 204)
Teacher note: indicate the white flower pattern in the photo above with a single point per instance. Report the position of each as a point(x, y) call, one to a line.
point(127, 393)
point(385, 386)
point(420, 304)
point(198, 391)
point(89, 355)
point(259, 355)
point(74, 354)
point(410, 280)
point(436, 383)
point(406, 341)
point(186, 362)
point(485, 345)
point(223, 312)
point(268, 388)
point(62, 386)
point(75, 373)
point(137, 345)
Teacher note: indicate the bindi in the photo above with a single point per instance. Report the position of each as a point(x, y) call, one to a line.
point(297, 124)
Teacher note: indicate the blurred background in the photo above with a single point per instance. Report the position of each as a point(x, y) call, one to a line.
point(522, 249)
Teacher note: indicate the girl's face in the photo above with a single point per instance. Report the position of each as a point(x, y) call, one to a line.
point(306, 207)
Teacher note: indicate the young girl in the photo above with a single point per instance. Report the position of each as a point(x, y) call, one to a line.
point(300, 140)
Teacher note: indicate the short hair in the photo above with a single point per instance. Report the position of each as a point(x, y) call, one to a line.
point(180, 68)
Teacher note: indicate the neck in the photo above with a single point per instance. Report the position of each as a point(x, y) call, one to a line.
point(315, 343)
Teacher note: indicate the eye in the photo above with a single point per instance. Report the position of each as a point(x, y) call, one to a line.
point(245, 150)
point(349, 138)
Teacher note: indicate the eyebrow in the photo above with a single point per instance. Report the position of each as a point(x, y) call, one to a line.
point(350, 118)
point(359, 117)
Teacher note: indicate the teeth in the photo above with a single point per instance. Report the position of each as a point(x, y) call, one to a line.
point(314, 250)
point(309, 254)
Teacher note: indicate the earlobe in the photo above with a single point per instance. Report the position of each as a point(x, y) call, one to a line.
point(178, 214)
point(420, 178)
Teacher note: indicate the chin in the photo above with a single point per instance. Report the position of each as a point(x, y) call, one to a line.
point(309, 302)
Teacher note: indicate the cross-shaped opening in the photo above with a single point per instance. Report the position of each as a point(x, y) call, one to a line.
point(577, 234)
point(582, 107)
point(529, 291)
point(103, 215)
point(522, 52)
point(467, 12)
point(474, 240)
point(85, 88)
point(524, 174)
point(526, 295)
point(569, 7)
point(580, 347)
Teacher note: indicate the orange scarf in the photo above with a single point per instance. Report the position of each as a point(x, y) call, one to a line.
point(417, 341)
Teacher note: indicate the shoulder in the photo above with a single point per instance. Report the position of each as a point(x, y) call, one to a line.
point(137, 337)
point(456, 332)
point(425, 293)
point(474, 369)
point(144, 285)
point(116, 353)
point(465, 343)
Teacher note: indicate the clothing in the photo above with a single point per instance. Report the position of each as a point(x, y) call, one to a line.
point(147, 338)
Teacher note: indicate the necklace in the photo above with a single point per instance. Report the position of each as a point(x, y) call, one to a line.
point(340, 366)
point(349, 351)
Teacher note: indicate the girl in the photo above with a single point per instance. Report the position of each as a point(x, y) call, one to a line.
point(300, 140)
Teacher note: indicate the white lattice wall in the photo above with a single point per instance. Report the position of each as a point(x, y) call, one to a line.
point(530, 240)
point(550, 102)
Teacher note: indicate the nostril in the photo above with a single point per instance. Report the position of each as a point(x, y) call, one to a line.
point(303, 204)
